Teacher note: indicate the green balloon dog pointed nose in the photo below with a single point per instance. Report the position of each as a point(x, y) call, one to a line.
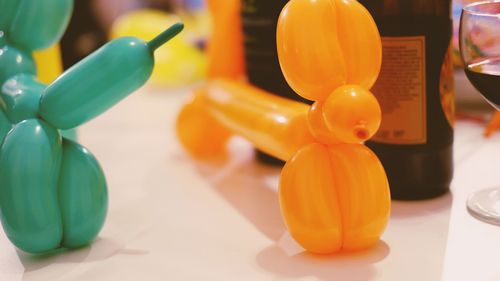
point(101, 80)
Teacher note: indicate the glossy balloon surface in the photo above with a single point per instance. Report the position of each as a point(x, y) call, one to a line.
point(30, 159)
point(364, 196)
point(317, 125)
point(83, 196)
point(309, 200)
point(360, 42)
point(8, 9)
point(274, 124)
point(323, 44)
point(13, 61)
point(310, 58)
point(21, 95)
point(48, 68)
point(39, 24)
point(352, 114)
point(84, 91)
point(334, 197)
point(5, 125)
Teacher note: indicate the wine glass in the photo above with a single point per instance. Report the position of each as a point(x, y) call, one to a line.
point(480, 50)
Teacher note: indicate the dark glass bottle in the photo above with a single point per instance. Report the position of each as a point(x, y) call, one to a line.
point(259, 20)
point(83, 35)
point(415, 90)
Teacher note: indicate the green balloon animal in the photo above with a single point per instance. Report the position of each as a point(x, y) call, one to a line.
point(52, 190)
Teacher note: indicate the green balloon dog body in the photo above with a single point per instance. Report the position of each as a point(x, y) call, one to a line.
point(52, 190)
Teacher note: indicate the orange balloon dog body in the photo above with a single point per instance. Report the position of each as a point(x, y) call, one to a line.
point(333, 192)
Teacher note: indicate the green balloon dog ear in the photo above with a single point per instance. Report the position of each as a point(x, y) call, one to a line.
point(39, 23)
point(8, 8)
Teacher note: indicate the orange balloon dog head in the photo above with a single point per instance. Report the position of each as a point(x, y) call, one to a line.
point(330, 52)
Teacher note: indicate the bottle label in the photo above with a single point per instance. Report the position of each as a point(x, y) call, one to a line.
point(401, 91)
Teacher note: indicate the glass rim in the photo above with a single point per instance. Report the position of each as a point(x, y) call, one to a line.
point(470, 8)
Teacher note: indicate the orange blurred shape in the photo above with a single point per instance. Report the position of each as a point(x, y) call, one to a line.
point(324, 44)
point(225, 47)
point(199, 133)
point(493, 125)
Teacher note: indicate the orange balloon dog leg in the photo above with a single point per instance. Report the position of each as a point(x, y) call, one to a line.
point(334, 197)
point(198, 131)
point(310, 201)
point(364, 196)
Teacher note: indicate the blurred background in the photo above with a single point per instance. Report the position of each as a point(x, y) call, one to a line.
point(184, 63)
point(94, 22)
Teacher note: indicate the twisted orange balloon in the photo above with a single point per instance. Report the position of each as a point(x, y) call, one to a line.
point(333, 192)
point(199, 132)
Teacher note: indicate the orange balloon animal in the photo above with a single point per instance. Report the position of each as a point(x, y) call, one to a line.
point(334, 194)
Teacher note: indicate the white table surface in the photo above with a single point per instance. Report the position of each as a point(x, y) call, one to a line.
point(173, 218)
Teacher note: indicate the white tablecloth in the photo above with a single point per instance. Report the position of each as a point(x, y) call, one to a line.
point(173, 218)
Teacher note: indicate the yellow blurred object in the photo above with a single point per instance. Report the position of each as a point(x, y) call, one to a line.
point(180, 64)
point(48, 64)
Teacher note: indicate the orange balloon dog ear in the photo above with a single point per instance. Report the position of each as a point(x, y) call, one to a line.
point(323, 44)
